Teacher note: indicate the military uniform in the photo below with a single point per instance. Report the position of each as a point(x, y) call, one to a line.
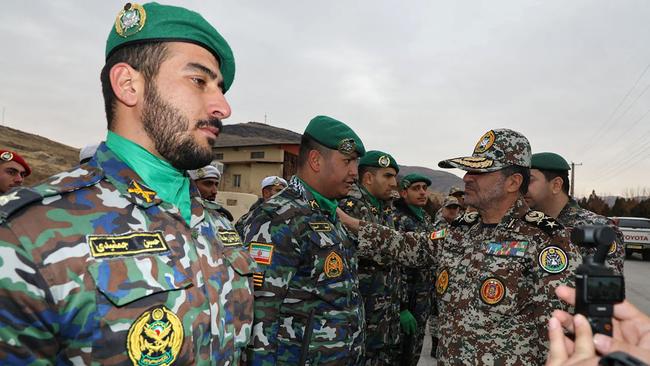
point(98, 269)
point(417, 294)
point(379, 283)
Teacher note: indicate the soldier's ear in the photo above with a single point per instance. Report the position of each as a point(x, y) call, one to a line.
point(513, 182)
point(315, 160)
point(127, 84)
point(556, 185)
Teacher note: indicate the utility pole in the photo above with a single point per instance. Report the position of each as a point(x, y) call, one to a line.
point(265, 119)
point(573, 176)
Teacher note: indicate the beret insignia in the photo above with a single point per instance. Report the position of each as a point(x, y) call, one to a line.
point(347, 146)
point(7, 156)
point(130, 20)
point(384, 161)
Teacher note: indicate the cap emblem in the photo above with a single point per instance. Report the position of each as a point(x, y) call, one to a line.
point(7, 156)
point(130, 20)
point(384, 161)
point(347, 146)
point(484, 143)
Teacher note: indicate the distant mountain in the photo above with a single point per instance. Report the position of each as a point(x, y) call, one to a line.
point(44, 156)
point(441, 181)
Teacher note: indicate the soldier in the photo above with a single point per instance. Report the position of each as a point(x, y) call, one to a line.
point(449, 212)
point(207, 181)
point(308, 309)
point(119, 261)
point(13, 170)
point(459, 195)
point(549, 192)
point(379, 281)
point(496, 275)
point(416, 299)
point(271, 185)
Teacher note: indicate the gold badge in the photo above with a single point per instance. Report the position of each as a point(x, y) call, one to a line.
point(128, 244)
point(347, 146)
point(229, 238)
point(349, 204)
point(612, 248)
point(143, 193)
point(333, 265)
point(155, 338)
point(130, 20)
point(553, 259)
point(492, 291)
point(258, 279)
point(7, 156)
point(442, 282)
point(534, 216)
point(484, 143)
point(474, 162)
point(384, 161)
point(313, 204)
point(321, 226)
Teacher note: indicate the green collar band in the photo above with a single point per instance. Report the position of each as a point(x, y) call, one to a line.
point(326, 204)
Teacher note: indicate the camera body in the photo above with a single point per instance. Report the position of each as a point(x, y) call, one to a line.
point(598, 288)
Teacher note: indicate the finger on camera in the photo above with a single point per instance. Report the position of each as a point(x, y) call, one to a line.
point(566, 294)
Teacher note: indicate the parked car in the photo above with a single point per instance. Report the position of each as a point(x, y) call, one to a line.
point(636, 235)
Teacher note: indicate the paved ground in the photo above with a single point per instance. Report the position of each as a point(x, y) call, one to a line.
point(637, 283)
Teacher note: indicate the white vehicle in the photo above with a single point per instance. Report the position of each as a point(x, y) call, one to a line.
point(636, 235)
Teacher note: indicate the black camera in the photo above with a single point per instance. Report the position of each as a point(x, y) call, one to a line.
point(598, 288)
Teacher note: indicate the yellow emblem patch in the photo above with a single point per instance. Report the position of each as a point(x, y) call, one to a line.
point(485, 142)
point(130, 20)
point(474, 162)
point(492, 291)
point(144, 193)
point(155, 338)
point(612, 248)
point(258, 279)
point(442, 282)
point(127, 244)
point(553, 259)
point(229, 238)
point(333, 265)
point(321, 226)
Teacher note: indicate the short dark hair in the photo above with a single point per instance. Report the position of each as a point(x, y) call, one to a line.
point(562, 174)
point(518, 169)
point(363, 169)
point(144, 57)
point(307, 144)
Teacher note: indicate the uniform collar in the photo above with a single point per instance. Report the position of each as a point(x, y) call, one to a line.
point(316, 200)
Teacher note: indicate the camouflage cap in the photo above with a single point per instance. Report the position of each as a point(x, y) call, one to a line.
point(456, 191)
point(495, 150)
point(378, 159)
point(548, 161)
point(451, 201)
point(335, 135)
point(414, 178)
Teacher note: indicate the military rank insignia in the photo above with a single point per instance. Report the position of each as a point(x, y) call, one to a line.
point(442, 282)
point(492, 291)
point(553, 259)
point(507, 248)
point(258, 279)
point(261, 253)
point(141, 192)
point(333, 265)
point(440, 234)
point(130, 20)
point(155, 338)
point(126, 244)
point(349, 203)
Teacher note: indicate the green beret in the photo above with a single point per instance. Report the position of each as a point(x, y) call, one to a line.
point(154, 22)
point(548, 161)
point(335, 135)
point(378, 159)
point(414, 178)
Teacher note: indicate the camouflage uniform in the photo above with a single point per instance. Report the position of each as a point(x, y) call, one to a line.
point(97, 269)
point(308, 309)
point(573, 215)
point(417, 284)
point(379, 283)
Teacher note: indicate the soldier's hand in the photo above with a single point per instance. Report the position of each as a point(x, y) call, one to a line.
point(407, 321)
point(564, 352)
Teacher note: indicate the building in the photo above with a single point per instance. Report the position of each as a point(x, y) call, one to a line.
point(252, 151)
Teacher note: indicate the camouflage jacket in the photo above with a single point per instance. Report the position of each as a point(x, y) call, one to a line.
point(495, 284)
point(573, 215)
point(308, 308)
point(379, 282)
point(96, 269)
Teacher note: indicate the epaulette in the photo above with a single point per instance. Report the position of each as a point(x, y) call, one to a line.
point(546, 223)
point(348, 203)
point(61, 183)
point(467, 219)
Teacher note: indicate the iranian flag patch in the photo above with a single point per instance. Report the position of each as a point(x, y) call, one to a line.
point(261, 253)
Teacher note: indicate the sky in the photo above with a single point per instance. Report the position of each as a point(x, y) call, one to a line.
point(422, 80)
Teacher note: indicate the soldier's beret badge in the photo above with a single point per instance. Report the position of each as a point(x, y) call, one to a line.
point(384, 161)
point(130, 20)
point(347, 146)
point(7, 156)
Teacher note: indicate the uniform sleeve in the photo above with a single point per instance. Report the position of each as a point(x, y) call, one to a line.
point(277, 254)
point(409, 249)
point(28, 321)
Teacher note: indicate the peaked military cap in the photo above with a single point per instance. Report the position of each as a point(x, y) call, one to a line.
point(153, 22)
point(378, 159)
point(335, 135)
point(549, 161)
point(495, 150)
point(409, 179)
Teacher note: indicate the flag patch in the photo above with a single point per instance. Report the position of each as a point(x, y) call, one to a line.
point(262, 253)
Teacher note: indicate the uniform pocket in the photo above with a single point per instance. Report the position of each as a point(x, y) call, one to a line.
point(240, 260)
point(505, 285)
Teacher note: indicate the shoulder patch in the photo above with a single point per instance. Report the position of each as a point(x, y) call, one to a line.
point(542, 221)
point(469, 218)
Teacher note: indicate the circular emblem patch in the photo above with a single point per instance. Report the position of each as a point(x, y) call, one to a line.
point(553, 259)
point(155, 338)
point(442, 282)
point(333, 265)
point(130, 20)
point(384, 161)
point(347, 146)
point(7, 156)
point(612, 248)
point(485, 142)
point(492, 291)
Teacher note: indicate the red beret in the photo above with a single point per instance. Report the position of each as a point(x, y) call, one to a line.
point(6, 155)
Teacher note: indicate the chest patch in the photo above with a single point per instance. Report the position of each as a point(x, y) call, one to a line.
point(442, 282)
point(321, 226)
point(507, 248)
point(127, 244)
point(492, 291)
point(440, 234)
point(333, 265)
point(155, 338)
point(553, 259)
point(261, 253)
point(229, 238)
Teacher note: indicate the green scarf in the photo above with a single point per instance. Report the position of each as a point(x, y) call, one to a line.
point(326, 204)
point(373, 200)
point(417, 211)
point(170, 184)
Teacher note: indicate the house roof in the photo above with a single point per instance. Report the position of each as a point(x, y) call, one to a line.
point(255, 134)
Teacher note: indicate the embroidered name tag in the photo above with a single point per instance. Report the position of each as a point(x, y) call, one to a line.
point(321, 226)
point(229, 238)
point(507, 248)
point(127, 244)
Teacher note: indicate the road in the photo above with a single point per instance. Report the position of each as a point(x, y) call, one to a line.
point(637, 283)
